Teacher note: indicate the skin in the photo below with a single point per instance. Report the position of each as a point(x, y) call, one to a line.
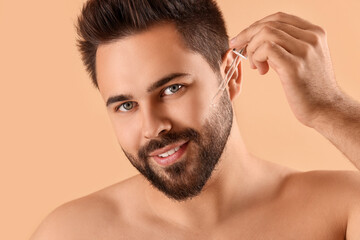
point(298, 52)
point(246, 197)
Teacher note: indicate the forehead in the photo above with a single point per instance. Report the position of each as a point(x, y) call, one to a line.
point(140, 59)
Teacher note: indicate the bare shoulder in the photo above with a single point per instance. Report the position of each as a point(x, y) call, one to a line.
point(338, 192)
point(325, 187)
point(333, 182)
point(343, 186)
point(93, 216)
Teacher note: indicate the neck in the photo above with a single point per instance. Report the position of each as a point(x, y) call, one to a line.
point(229, 187)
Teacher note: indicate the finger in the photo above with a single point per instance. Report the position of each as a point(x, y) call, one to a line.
point(289, 19)
point(247, 34)
point(289, 43)
point(262, 67)
point(294, 21)
point(276, 56)
point(251, 62)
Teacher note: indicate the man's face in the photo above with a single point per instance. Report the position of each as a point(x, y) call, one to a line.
point(158, 95)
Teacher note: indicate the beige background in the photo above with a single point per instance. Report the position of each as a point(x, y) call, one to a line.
point(57, 143)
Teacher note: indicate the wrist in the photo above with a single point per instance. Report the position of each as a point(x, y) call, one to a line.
point(341, 110)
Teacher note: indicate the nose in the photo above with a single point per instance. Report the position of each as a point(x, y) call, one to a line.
point(154, 123)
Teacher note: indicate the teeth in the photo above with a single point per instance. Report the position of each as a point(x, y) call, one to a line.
point(170, 152)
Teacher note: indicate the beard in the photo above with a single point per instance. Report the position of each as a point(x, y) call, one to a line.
point(186, 178)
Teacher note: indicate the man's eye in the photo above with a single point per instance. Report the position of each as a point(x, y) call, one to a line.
point(172, 89)
point(127, 106)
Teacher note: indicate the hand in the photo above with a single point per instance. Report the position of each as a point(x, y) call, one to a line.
point(298, 52)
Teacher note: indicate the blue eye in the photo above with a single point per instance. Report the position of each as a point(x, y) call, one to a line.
point(127, 106)
point(172, 89)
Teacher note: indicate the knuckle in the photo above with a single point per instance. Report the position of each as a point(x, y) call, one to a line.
point(250, 49)
point(306, 50)
point(274, 24)
point(321, 30)
point(267, 29)
point(269, 45)
point(308, 47)
point(280, 15)
point(318, 40)
point(315, 39)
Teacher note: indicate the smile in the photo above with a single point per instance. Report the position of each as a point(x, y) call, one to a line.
point(170, 154)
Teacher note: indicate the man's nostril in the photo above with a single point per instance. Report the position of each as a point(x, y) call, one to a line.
point(162, 132)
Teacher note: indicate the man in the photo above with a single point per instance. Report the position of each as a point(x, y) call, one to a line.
point(158, 65)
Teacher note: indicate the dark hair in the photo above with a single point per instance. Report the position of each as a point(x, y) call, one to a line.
point(199, 22)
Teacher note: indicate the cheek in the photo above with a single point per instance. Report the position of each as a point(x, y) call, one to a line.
point(191, 110)
point(127, 133)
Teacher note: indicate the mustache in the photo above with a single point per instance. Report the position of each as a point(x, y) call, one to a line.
point(166, 139)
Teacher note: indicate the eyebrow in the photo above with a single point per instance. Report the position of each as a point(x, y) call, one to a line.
point(153, 87)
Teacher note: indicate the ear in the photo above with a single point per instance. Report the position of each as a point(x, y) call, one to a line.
point(234, 85)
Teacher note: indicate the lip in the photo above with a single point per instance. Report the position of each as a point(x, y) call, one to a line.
point(166, 161)
point(167, 148)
